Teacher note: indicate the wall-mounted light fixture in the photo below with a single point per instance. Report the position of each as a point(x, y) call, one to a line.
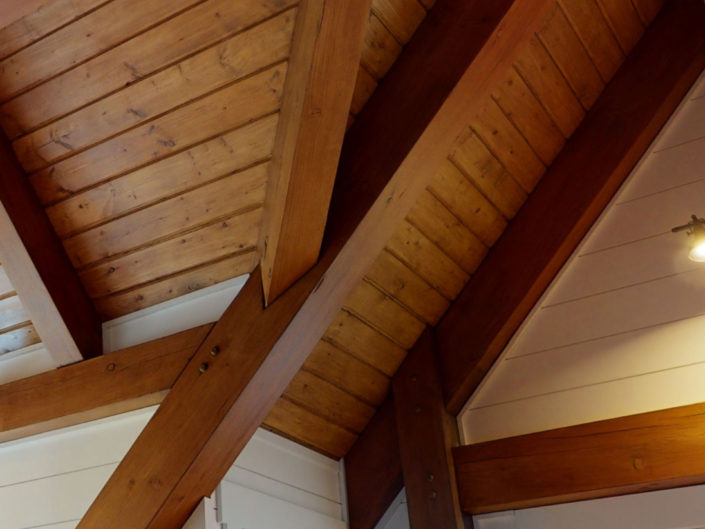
point(696, 230)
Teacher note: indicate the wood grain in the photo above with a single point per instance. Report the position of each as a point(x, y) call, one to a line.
point(543, 234)
point(624, 21)
point(162, 46)
point(324, 63)
point(426, 432)
point(118, 382)
point(637, 453)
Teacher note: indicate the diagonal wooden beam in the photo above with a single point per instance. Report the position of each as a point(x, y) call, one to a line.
point(575, 190)
point(643, 452)
point(324, 62)
point(637, 103)
point(40, 270)
point(115, 383)
point(219, 401)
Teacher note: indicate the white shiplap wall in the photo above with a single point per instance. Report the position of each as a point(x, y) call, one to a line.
point(622, 328)
point(50, 480)
point(682, 508)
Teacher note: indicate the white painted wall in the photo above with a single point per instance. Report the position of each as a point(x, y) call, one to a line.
point(50, 480)
point(682, 508)
point(620, 331)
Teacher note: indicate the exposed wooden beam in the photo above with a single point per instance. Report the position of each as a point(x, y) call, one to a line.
point(636, 104)
point(643, 452)
point(374, 458)
point(40, 270)
point(218, 402)
point(324, 62)
point(426, 433)
point(579, 184)
point(122, 381)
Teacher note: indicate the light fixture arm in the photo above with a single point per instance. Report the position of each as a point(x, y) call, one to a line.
point(691, 226)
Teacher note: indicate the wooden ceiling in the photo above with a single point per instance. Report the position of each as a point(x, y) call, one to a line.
point(147, 130)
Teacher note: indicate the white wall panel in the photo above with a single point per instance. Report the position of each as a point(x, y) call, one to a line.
point(621, 329)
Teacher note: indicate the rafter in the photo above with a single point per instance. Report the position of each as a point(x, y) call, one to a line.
point(122, 381)
point(40, 270)
point(637, 103)
point(643, 452)
point(219, 401)
point(324, 62)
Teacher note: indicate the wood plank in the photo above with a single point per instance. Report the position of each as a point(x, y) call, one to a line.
point(18, 338)
point(426, 259)
point(14, 10)
point(173, 286)
point(638, 114)
point(227, 109)
point(569, 54)
point(396, 279)
point(597, 37)
point(234, 151)
point(237, 193)
point(483, 170)
point(354, 336)
point(12, 313)
point(374, 458)
point(48, 17)
point(379, 310)
point(459, 195)
point(446, 231)
point(508, 145)
point(624, 21)
point(295, 422)
point(41, 272)
point(323, 398)
point(400, 17)
point(637, 453)
point(215, 412)
point(241, 56)
point(162, 46)
point(544, 78)
point(102, 29)
point(380, 49)
point(365, 85)
point(223, 238)
point(118, 382)
point(348, 373)
point(426, 432)
point(324, 62)
point(527, 114)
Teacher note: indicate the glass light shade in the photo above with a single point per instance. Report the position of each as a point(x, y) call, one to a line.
point(697, 251)
point(697, 244)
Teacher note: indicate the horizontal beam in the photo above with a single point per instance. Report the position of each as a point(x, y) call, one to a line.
point(583, 178)
point(631, 454)
point(40, 270)
point(122, 381)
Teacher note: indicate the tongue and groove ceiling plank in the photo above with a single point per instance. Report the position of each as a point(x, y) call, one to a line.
point(253, 353)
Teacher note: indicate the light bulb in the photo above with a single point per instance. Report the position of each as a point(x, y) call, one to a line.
point(697, 251)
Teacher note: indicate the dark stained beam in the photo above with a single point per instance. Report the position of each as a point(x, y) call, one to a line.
point(579, 184)
point(630, 112)
point(426, 433)
point(118, 382)
point(218, 402)
point(40, 270)
point(374, 458)
point(638, 453)
point(324, 62)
